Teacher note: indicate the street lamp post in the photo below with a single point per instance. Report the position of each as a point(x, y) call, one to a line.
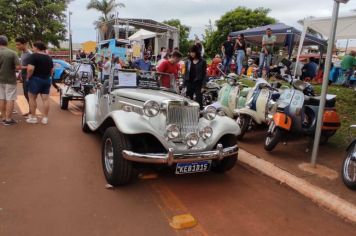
point(70, 37)
point(325, 80)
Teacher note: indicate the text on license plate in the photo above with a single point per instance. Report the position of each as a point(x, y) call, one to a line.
point(195, 167)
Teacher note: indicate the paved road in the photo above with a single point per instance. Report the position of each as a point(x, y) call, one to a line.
point(51, 183)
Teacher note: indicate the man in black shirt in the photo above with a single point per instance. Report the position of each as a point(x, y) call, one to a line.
point(39, 72)
point(228, 51)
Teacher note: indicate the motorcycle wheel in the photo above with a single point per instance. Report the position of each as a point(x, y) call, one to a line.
point(349, 169)
point(273, 136)
point(243, 122)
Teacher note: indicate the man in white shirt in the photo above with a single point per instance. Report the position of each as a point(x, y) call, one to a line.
point(106, 68)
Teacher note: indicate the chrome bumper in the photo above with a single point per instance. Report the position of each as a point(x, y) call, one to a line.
point(170, 158)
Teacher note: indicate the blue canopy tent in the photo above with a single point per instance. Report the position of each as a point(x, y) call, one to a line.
point(287, 36)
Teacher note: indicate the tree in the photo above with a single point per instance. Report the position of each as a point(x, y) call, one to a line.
point(34, 19)
point(183, 34)
point(238, 19)
point(106, 8)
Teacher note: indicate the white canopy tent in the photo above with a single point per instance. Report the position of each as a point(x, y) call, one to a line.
point(142, 35)
point(346, 28)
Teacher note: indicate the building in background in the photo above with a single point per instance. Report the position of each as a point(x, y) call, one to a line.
point(157, 35)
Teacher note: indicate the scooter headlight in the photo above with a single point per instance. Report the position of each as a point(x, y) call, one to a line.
point(210, 113)
point(173, 131)
point(272, 107)
point(192, 139)
point(151, 108)
point(206, 132)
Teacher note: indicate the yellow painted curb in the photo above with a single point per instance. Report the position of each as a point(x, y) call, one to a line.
point(183, 221)
point(146, 176)
point(320, 196)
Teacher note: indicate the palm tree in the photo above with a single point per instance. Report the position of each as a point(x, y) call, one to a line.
point(106, 7)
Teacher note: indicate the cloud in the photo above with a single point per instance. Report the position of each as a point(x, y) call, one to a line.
point(196, 13)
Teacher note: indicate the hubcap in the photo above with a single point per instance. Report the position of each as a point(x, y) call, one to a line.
point(109, 156)
point(350, 169)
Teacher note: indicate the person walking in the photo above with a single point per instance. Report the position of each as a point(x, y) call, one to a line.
point(240, 47)
point(22, 46)
point(9, 63)
point(268, 41)
point(195, 75)
point(39, 73)
point(228, 51)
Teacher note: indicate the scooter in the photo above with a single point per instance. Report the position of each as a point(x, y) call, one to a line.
point(260, 100)
point(297, 111)
point(232, 96)
point(211, 92)
point(349, 165)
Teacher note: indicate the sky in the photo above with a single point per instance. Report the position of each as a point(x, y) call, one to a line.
point(197, 13)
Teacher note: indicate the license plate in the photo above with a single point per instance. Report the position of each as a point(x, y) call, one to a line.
point(194, 167)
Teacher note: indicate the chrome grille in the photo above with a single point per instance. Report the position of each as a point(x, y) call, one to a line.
point(186, 117)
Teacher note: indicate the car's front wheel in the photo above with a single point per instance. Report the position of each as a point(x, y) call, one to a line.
point(228, 162)
point(117, 170)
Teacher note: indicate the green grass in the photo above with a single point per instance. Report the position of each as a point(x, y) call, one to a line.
point(346, 107)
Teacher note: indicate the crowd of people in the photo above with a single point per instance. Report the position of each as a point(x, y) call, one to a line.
point(35, 72)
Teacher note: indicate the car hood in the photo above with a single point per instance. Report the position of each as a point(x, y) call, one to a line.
point(144, 95)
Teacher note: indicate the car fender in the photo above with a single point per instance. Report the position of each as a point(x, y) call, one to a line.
point(90, 107)
point(251, 113)
point(222, 125)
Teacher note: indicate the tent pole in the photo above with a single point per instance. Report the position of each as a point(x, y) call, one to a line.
point(325, 83)
point(347, 45)
point(301, 42)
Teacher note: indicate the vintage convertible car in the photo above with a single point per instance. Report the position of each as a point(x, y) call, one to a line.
point(146, 123)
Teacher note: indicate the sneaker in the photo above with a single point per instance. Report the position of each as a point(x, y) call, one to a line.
point(44, 120)
point(10, 122)
point(14, 112)
point(32, 120)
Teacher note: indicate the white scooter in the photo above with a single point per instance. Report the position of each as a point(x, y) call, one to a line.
point(260, 100)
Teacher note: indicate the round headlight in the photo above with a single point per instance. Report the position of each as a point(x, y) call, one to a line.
point(173, 131)
point(210, 113)
point(272, 107)
point(151, 108)
point(221, 113)
point(192, 139)
point(206, 132)
point(231, 81)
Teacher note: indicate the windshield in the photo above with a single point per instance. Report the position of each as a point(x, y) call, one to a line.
point(144, 80)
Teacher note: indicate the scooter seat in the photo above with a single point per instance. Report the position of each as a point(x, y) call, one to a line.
point(330, 101)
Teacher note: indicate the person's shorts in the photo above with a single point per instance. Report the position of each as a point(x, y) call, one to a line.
point(38, 85)
point(8, 92)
